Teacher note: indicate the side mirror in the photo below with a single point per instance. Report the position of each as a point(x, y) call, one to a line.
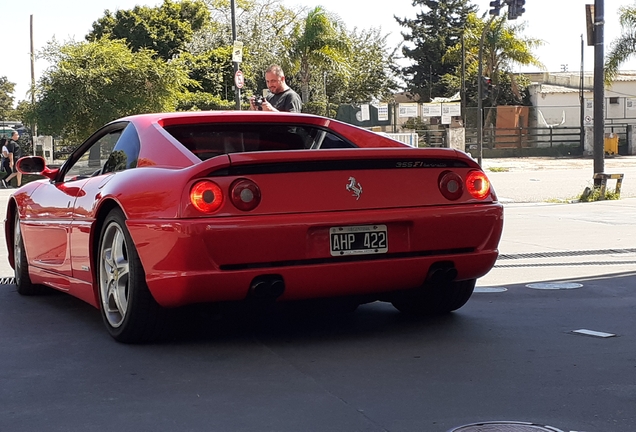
point(31, 165)
point(35, 165)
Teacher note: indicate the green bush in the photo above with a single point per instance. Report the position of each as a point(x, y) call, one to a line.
point(594, 194)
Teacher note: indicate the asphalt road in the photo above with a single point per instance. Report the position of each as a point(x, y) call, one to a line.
point(504, 356)
point(512, 353)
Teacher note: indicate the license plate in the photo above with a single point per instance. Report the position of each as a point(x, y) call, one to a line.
point(358, 240)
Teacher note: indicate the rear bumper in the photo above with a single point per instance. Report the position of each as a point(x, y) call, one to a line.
point(216, 259)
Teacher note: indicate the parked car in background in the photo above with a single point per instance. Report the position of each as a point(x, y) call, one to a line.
point(157, 211)
point(6, 131)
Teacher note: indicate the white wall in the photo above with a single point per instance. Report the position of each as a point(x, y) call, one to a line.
point(554, 102)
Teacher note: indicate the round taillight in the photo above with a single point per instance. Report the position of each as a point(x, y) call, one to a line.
point(245, 194)
point(206, 196)
point(478, 184)
point(451, 185)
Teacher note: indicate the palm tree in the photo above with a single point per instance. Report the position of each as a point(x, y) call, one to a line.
point(320, 44)
point(503, 48)
point(623, 47)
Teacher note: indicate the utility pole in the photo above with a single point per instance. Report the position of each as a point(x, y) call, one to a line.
point(463, 84)
point(430, 82)
point(480, 92)
point(237, 90)
point(599, 89)
point(582, 96)
point(326, 97)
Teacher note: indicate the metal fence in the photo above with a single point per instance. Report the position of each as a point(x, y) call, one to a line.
point(507, 138)
point(523, 127)
point(526, 137)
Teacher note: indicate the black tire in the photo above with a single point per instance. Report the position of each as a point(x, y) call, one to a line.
point(129, 311)
point(435, 299)
point(21, 266)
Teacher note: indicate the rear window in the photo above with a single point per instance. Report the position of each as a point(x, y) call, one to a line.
point(209, 140)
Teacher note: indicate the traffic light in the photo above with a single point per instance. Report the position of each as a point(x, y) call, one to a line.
point(496, 6)
point(520, 7)
point(515, 8)
point(512, 10)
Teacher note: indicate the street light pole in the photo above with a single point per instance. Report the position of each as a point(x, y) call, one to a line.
point(463, 81)
point(237, 90)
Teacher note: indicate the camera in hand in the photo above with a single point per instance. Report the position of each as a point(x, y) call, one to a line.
point(259, 102)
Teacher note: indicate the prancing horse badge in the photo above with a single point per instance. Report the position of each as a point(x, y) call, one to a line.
point(354, 187)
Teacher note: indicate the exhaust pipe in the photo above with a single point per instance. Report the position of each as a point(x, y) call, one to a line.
point(441, 272)
point(267, 287)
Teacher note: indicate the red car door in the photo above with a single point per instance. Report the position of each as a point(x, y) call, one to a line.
point(48, 217)
point(46, 225)
point(83, 220)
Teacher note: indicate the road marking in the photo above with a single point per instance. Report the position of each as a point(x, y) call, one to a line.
point(490, 289)
point(554, 286)
point(593, 333)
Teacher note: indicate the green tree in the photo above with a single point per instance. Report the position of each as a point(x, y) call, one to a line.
point(504, 48)
point(624, 46)
point(355, 67)
point(92, 83)
point(319, 43)
point(429, 35)
point(165, 29)
point(369, 74)
point(212, 70)
point(262, 25)
point(371, 64)
point(212, 80)
point(6, 98)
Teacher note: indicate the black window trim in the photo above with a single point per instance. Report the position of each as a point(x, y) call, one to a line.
point(79, 151)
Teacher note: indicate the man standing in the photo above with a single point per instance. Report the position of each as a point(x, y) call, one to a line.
point(281, 97)
point(13, 154)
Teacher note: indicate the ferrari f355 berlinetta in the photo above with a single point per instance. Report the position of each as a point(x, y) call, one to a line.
point(157, 211)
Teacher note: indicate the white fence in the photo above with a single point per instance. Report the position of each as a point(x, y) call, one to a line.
point(410, 139)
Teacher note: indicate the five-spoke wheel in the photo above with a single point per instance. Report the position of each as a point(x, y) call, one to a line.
point(129, 311)
point(114, 275)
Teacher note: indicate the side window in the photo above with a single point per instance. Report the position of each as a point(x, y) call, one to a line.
point(331, 141)
point(125, 153)
point(92, 160)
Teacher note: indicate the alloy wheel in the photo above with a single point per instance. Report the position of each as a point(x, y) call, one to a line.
point(114, 275)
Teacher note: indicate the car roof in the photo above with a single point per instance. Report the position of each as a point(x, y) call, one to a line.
point(212, 114)
point(171, 118)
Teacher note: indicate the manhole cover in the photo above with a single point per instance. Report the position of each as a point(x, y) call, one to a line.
point(554, 286)
point(504, 427)
point(490, 289)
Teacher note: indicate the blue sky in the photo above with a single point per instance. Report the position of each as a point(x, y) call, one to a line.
point(560, 23)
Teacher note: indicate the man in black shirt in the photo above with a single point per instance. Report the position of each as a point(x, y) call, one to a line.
point(281, 97)
point(14, 153)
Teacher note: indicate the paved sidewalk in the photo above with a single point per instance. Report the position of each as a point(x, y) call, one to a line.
point(554, 179)
point(546, 238)
point(559, 242)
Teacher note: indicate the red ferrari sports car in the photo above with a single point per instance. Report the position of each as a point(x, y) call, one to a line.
point(158, 211)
